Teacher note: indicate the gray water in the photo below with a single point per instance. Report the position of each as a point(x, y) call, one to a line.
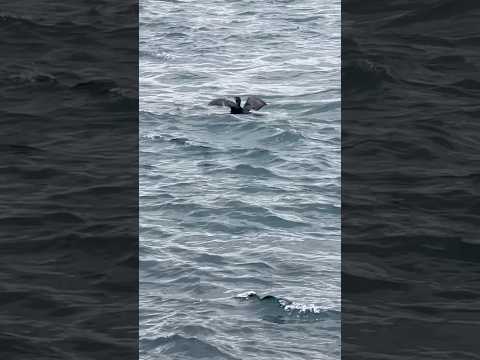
point(234, 208)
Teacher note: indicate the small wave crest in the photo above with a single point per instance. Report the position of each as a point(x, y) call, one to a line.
point(276, 309)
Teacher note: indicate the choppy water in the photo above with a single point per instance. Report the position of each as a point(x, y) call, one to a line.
point(68, 165)
point(236, 204)
point(410, 242)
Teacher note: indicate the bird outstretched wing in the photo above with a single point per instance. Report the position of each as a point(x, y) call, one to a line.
point(222, 102)
point(254, 103)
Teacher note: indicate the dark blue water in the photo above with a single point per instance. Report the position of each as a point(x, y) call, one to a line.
point(232, 205)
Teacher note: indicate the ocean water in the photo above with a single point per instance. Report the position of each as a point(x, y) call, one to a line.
point(69, 180)
point(240, 214)
point(410, 179)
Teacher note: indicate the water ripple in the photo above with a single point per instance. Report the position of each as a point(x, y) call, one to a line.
point(230, 204)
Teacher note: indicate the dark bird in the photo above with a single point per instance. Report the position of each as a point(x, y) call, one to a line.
point(252, 103)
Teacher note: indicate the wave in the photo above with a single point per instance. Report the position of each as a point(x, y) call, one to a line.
point(365, 75)
point(280, 310)
point(183, 347)
point(247, 170)
point(284, 137)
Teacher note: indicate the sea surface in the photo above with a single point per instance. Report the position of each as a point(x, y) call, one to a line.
point(69, 180)
point(240, 214)
point(410, 179)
